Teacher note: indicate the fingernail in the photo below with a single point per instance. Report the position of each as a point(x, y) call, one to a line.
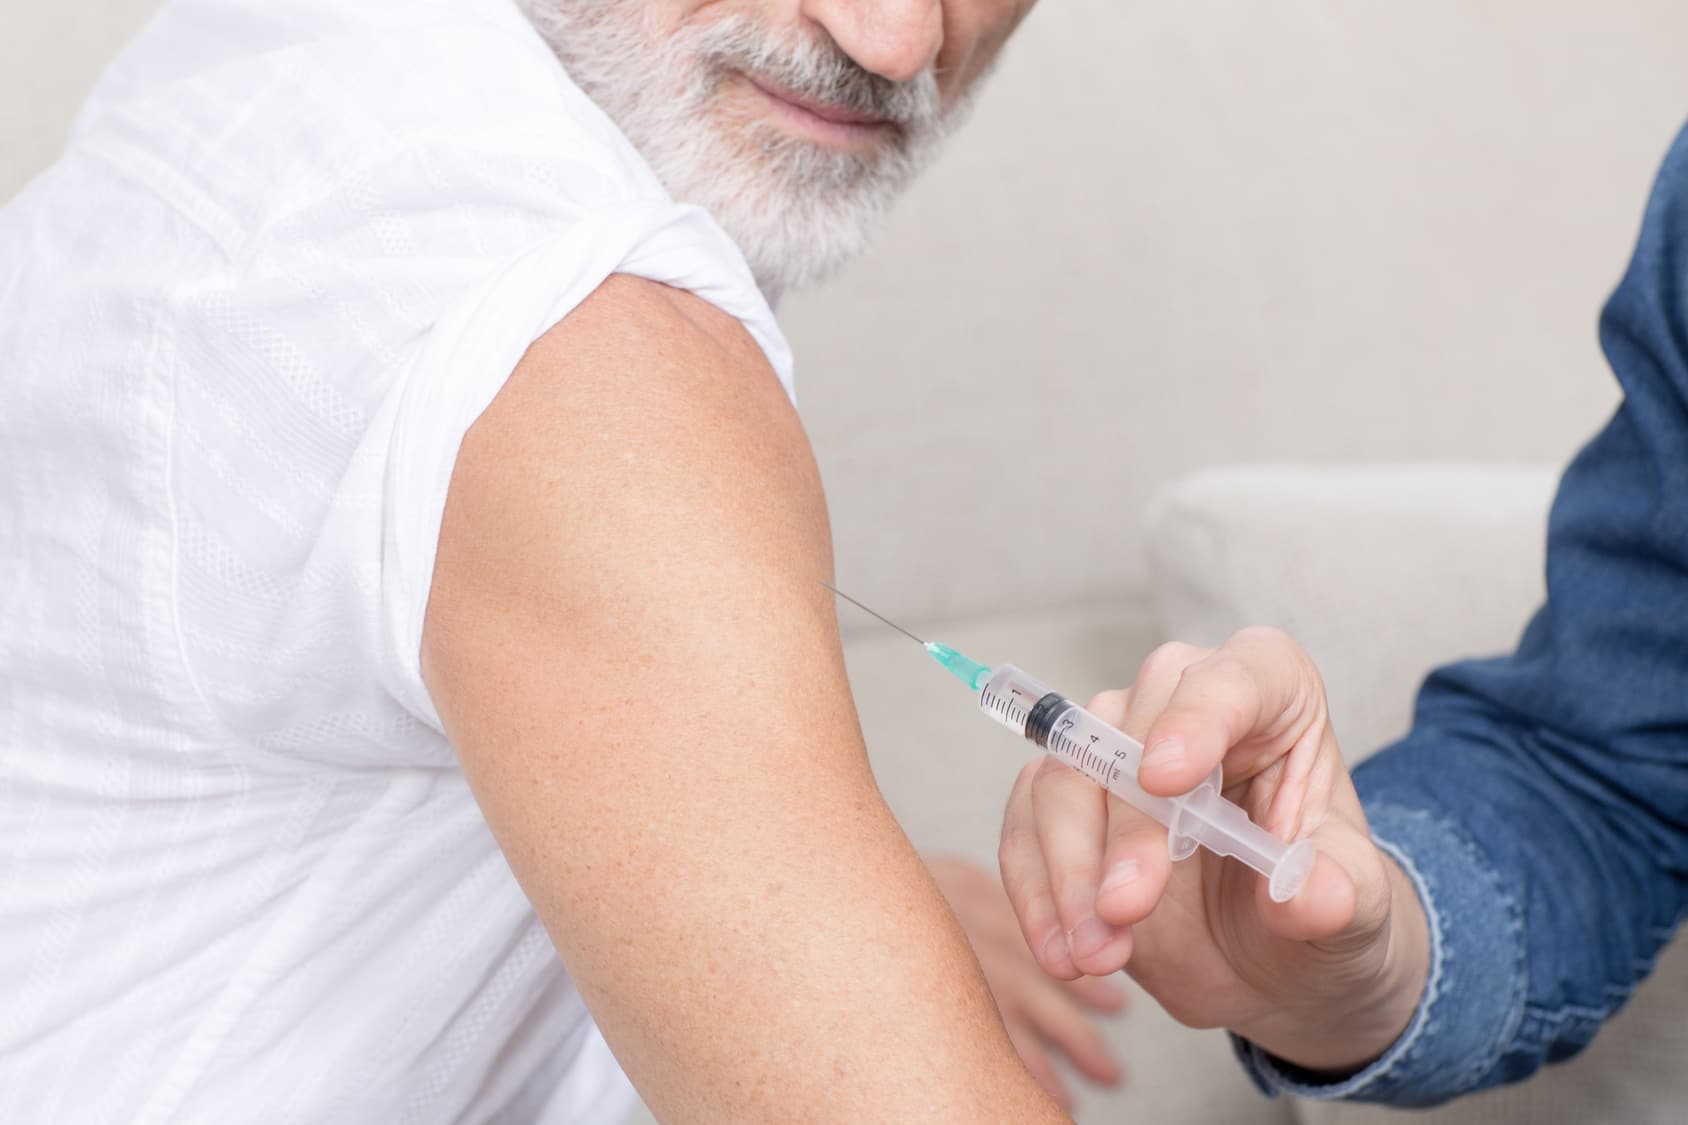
point(1164, 752)
point(1055, 952)
point(1125, 871)
point(1090, 936)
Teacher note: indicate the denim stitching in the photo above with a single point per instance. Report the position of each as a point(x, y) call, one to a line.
point(1438, 961)
point(1377, 1073)
point(1379, 1078)
point(1469, 1075)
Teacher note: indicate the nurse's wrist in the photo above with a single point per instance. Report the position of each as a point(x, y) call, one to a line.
point(1349, 1034)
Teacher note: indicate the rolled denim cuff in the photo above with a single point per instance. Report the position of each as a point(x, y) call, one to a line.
point(1473, 1001)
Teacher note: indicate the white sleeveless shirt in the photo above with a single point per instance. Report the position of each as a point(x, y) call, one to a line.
point(292, 250)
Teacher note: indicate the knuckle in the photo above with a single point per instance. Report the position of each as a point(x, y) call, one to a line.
point(1223, 664)
point(1219, 683)
point(1017, 843)
point(1049, 777)
point(1126, 826)
point(1008, 851)
point(1268, 637)
point(1189, 1015)
point(1260, 644)
point(1022, 900)
point(1060, 794)
point(1111, 702)
point(1018, 794)
point(1021, 792)
point(1168, 661)
point(1311, 679)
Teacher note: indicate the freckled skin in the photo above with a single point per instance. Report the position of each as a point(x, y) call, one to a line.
point(638, 510)
point(753, 933)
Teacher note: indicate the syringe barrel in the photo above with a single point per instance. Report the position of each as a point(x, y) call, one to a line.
point(1009, 696)
point(1050, 720)
point(1111, 758)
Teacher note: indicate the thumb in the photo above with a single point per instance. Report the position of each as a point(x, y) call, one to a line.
point(1322, 910)
point(1345, 901)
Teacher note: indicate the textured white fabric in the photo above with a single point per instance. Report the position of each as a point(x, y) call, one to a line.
point(292, 251)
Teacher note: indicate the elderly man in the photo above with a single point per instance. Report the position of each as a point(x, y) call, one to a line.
point(404, 514)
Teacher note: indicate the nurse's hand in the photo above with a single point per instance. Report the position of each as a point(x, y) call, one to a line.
point(1045, 1018)
point(1327, 980)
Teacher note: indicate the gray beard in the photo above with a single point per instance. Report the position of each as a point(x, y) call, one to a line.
point(797, 210)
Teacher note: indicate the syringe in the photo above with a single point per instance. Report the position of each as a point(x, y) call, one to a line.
point(1109, 757)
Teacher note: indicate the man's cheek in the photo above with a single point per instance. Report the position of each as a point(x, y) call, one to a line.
point(974, 33)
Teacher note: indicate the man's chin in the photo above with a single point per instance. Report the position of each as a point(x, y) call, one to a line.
point(787, 260)
point(798, 211)
point(787, 236)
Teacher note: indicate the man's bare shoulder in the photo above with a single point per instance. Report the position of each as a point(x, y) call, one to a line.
point(632, 312)
point(662, 374)
point(642, 446)
point(629, 566)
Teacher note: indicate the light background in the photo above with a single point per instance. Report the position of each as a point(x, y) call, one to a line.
point(1179, 233)
point(1176, 233)
point(1207, 231)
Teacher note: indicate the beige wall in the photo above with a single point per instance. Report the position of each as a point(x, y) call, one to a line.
point(1179, 233)
point(50, 53)
point(1186, 232)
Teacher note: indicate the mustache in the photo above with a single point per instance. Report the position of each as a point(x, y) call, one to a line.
point(819, 69)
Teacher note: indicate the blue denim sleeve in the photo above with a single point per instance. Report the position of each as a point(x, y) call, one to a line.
point(1540, 803)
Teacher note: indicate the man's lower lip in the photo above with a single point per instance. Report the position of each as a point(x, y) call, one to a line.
point(847, 134)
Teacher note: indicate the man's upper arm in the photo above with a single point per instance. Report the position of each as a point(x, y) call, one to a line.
point(632, 654)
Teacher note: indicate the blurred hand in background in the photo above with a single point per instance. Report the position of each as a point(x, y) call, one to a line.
point(1046, 1018)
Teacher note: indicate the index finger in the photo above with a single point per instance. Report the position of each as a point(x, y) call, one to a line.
point(1258, 693)
point(1025, 879)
